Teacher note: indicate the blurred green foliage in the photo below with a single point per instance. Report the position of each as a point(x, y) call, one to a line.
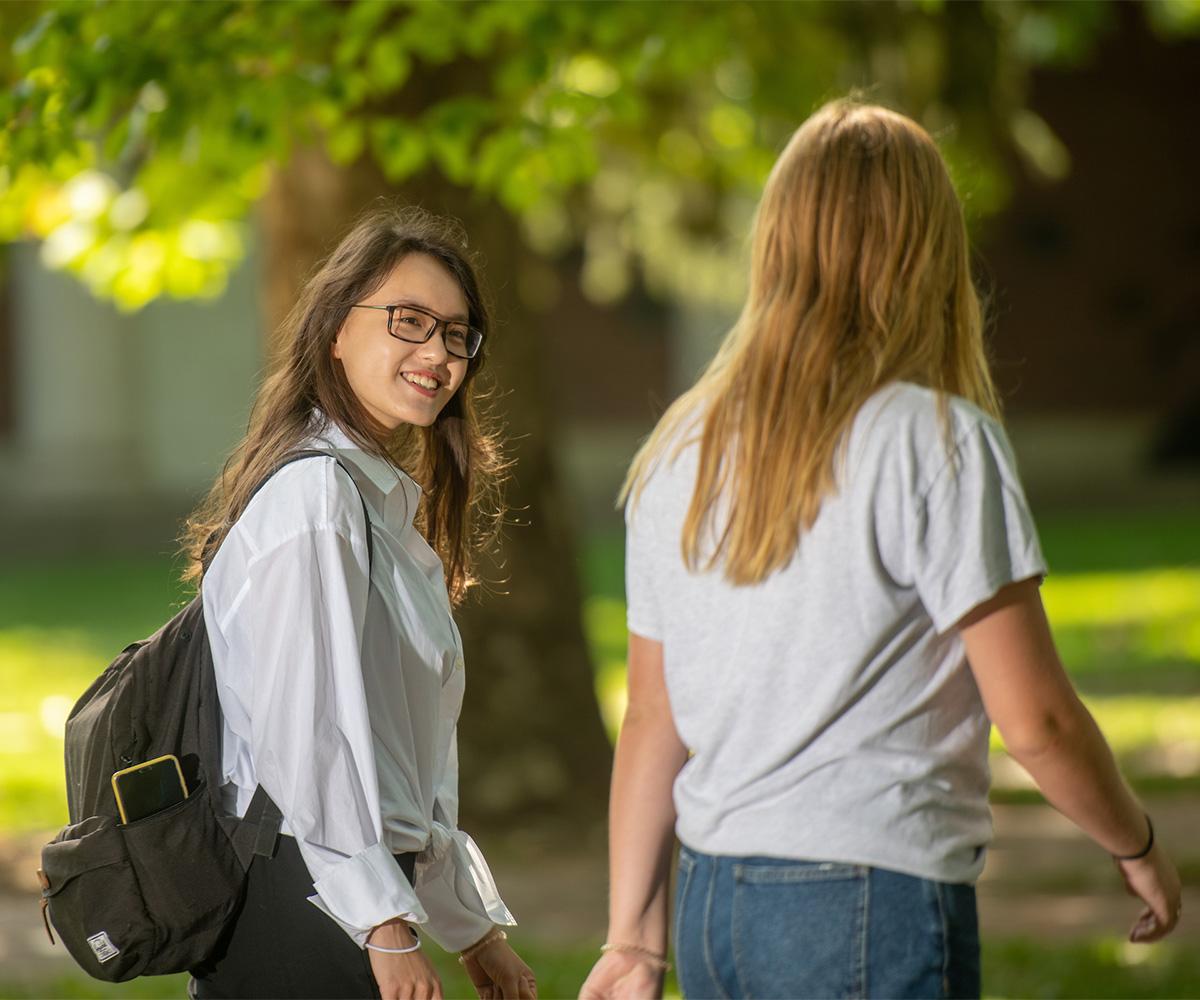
point(137, 136)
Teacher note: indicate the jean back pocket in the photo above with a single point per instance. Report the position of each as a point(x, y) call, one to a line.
point(799, 928)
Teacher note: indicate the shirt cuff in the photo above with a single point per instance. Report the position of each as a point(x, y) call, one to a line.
point(460, 895)
point(364, 891)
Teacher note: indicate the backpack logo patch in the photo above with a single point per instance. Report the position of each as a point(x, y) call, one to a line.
point(103, 947)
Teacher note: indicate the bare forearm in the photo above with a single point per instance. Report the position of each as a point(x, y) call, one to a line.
point(1074, 768)
point(1046, 727)
point(641, 823)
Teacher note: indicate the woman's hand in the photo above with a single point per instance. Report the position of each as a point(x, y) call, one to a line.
point(401, 977)
point(499, 974)
point(641, 824)
point(1153, 880)
point(622, 976)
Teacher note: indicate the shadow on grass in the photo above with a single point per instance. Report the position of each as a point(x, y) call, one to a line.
point(560, 973)
point(1097, 969)
point(1100, 968)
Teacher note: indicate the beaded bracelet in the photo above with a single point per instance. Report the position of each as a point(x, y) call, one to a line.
point(1144, 851)
point(652, 958)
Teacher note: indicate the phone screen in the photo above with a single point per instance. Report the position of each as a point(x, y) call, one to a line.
point(148, 788)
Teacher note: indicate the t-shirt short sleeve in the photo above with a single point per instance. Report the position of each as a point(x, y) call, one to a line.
point(975, 533)
point(642, 615)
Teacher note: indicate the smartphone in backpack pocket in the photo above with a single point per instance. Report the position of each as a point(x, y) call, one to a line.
point(149, 787)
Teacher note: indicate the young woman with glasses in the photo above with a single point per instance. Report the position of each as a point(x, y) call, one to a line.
point(832, 582)
point(328, 587)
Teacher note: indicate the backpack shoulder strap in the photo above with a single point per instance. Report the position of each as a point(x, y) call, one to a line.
point(208, 552)
point(296, 456)
point(258, 831)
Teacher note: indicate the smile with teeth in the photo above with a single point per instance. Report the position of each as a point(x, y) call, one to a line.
point(424, 381)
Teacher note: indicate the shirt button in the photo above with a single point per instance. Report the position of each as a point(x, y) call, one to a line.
point(459, 664)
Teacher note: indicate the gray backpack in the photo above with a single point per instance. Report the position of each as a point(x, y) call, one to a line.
point(152, 896)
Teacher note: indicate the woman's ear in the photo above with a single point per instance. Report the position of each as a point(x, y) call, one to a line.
point(335, 347)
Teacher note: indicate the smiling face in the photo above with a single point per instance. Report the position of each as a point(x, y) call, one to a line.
point(395, 381)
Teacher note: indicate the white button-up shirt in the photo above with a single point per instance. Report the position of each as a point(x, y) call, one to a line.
point(341, 694)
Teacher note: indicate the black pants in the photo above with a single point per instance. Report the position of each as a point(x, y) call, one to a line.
point(280, 945)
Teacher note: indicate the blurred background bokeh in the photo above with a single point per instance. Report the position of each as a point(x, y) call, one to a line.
point(169, 172)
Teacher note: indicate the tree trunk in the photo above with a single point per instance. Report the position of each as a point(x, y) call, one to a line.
point(531, 741)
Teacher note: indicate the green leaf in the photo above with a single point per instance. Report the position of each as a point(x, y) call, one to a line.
point(388, 65)
point(400, 148)
point(346, 141)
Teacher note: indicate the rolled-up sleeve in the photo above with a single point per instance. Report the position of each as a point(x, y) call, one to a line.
point(454, 882)
point(310, 733)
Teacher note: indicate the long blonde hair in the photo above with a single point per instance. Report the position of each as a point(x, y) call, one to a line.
point(860, 276)
point(457, 460)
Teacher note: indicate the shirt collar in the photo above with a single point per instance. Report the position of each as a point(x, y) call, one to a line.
point(400, 494)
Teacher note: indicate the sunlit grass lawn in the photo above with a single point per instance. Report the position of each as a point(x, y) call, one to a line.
point(1123, 595)
point(560, 972)
point(1123, 598)
point(1015, 968)
point(60, 624)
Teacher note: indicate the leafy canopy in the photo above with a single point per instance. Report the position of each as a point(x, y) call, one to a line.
point(138, 136)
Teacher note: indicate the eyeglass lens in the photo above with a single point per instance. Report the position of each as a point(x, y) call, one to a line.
point(418, 326)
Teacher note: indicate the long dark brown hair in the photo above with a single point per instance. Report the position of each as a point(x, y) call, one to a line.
point(457, 460)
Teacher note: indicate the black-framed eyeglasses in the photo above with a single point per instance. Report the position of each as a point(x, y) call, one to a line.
point(416, 325)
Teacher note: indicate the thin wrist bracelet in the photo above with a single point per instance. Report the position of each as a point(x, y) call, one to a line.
point(394, 951)
point(495, 935)
point(645, 954)
point(1145, 850)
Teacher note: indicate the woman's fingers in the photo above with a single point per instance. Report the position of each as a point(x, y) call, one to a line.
point(516, 983)
point(1156, 921)
point(1140, 926)
point(405, 977)
point(1156, 882)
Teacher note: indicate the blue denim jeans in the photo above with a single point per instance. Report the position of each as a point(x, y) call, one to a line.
point(769, 927)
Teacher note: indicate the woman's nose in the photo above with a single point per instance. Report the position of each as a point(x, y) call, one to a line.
point(434, 349)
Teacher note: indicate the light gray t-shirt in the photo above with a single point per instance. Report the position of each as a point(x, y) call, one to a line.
point(830, 710)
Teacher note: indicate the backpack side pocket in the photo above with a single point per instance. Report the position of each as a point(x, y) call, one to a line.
point(95, 901)
point(190, 878)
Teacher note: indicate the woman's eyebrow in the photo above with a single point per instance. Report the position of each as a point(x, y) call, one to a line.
point(455, 318)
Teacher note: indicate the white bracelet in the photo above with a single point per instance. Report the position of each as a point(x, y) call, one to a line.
point(394, 951)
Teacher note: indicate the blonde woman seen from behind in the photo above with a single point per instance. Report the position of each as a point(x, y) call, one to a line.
point(832, 578)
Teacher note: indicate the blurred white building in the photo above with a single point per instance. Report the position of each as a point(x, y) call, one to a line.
point(115, 424)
